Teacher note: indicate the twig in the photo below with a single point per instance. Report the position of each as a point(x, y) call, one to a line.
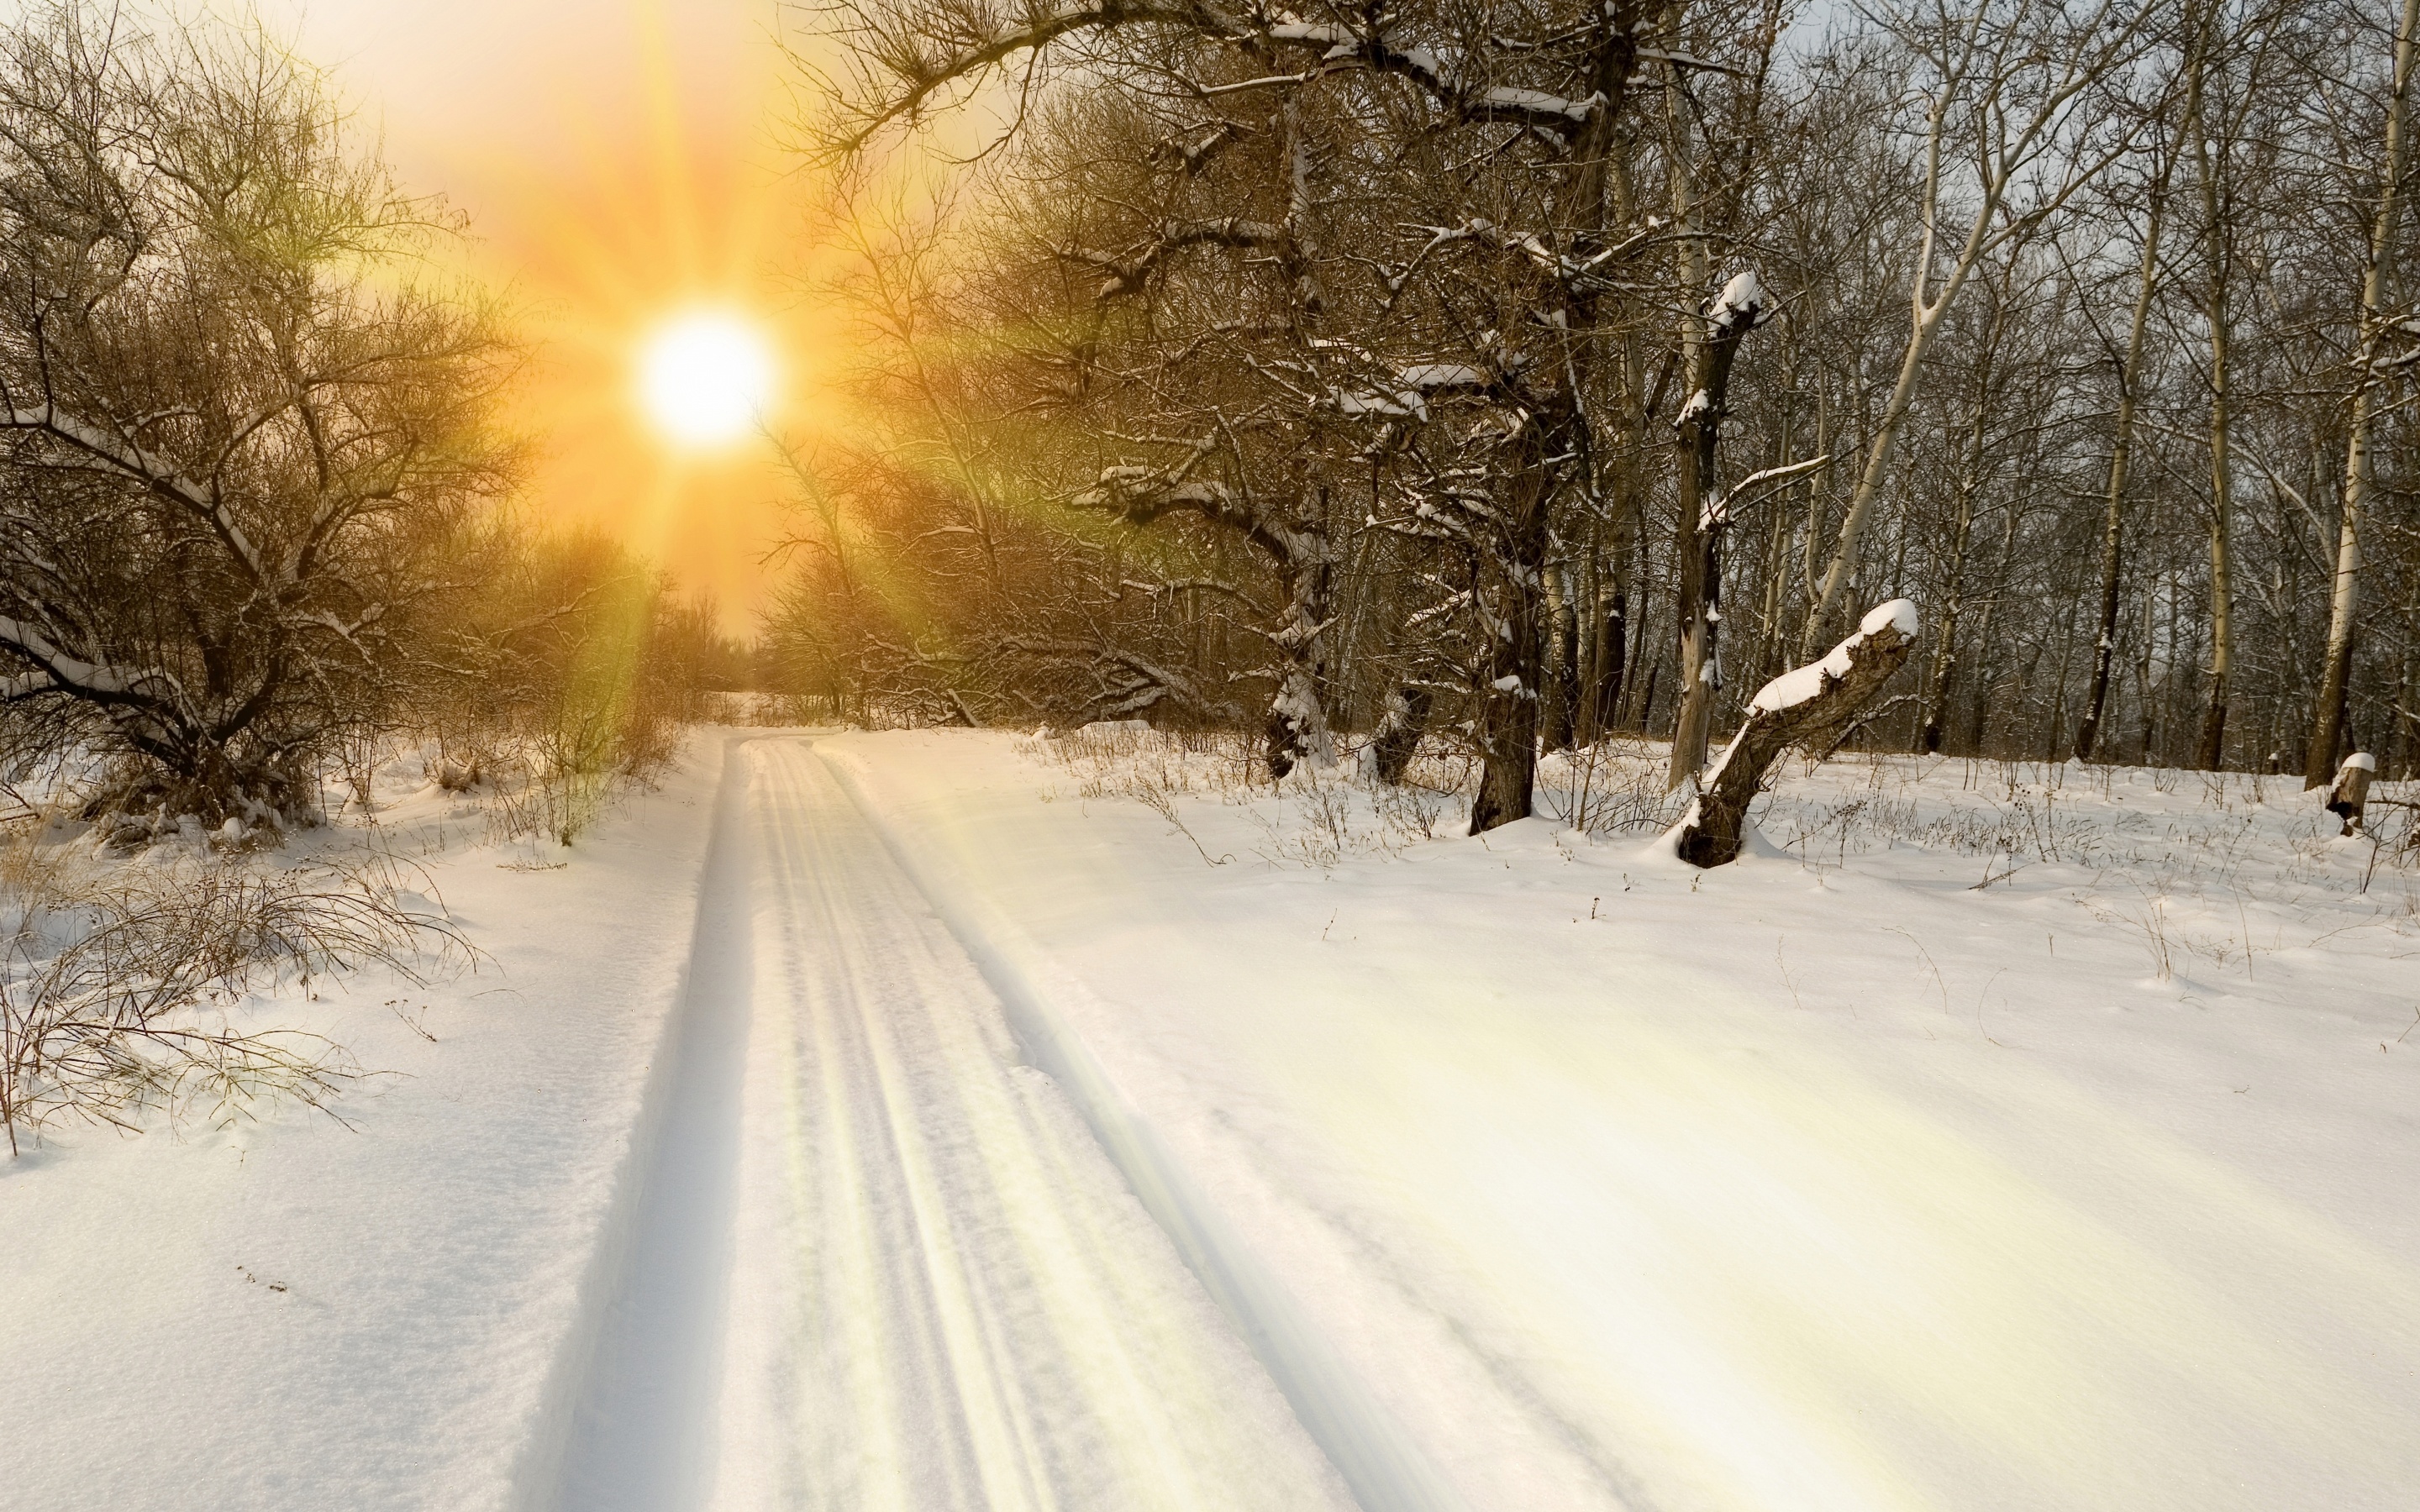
point(1937, 979)
point(1979, 998)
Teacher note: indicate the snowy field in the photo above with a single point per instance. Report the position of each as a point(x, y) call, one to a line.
point(964, 1119)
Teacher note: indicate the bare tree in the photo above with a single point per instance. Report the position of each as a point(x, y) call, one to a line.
point(2005, 88)
point(2121, 449)
point(235, 439)
point(1361, 365)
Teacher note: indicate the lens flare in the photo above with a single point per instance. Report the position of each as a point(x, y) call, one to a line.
point(706, 379)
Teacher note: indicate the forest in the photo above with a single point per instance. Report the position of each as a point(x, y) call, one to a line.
point(1209, 755)
point(1511, 374)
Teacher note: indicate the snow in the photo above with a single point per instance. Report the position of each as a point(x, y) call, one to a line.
point(2361, 761)
point(299, 1315)
point(1613, 1184)
point(130, 456)
point(1743, 296)
point(1407, 405)
point(58, 669)
point(1799, 684)
point(881, 1263)
point(1717, 512)
point(1513, 98)
point(1443, 376)
point(1304, 31)
point(721, 1185)
point(924, 1119)
point(1898, 613)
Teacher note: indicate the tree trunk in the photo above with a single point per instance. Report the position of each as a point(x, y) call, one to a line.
point(2112, 525)
point(2349, 793)
point(2335, 678)
point(1398, 736)
point(1298, 728)
point(1730, 318)
point(2407, 701)
point(1979, 701)
point(1508, 715)
point(1612, 680)
point(1695, 433)
point(1587, 619)
point(1945, 644)
point(1561, 674)
point(1613, 641)
point(1848, 554)
point(2212, 750)
point(1945, 656)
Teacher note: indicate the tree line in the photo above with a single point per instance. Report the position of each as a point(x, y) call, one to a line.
point(1519, 374)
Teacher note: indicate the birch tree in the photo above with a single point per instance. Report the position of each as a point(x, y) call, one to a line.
point(2335, 678)
point(2005, 88)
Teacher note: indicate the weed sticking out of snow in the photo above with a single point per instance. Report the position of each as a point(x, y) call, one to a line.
point(442, 1247)
point(1315, 816)
point(135, 991)
point(2213, 829)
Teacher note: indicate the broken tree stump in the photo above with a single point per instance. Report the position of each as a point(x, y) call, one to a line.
point(2348, 794)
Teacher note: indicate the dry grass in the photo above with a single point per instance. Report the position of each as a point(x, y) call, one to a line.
point(2187, 862)
point(1316, 817)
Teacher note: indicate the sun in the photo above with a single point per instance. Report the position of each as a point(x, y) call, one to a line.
point(705, 378)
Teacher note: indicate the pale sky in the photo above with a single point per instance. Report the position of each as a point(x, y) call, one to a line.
point(621, 163)
point(472, 90)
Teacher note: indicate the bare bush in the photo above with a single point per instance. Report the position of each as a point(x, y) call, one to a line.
point(573, 672)
point(133, 1016)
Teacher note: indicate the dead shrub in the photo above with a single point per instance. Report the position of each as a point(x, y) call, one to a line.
point(117, 994)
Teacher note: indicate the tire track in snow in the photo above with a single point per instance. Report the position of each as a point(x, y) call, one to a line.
point(639, 1437)
point(876, 1262)
point(947, 1299)
point(1383, 1469)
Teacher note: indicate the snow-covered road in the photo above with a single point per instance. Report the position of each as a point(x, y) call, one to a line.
point(876, 1262)
point(857, 1123)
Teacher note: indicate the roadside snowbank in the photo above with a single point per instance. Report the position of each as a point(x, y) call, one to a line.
point(296, 1315)
point(1616, 1185)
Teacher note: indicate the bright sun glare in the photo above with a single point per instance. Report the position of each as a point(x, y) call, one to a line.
point(705, 378)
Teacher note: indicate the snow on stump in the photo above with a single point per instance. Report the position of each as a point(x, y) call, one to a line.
point(2348, 794)
point(1810, 706)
